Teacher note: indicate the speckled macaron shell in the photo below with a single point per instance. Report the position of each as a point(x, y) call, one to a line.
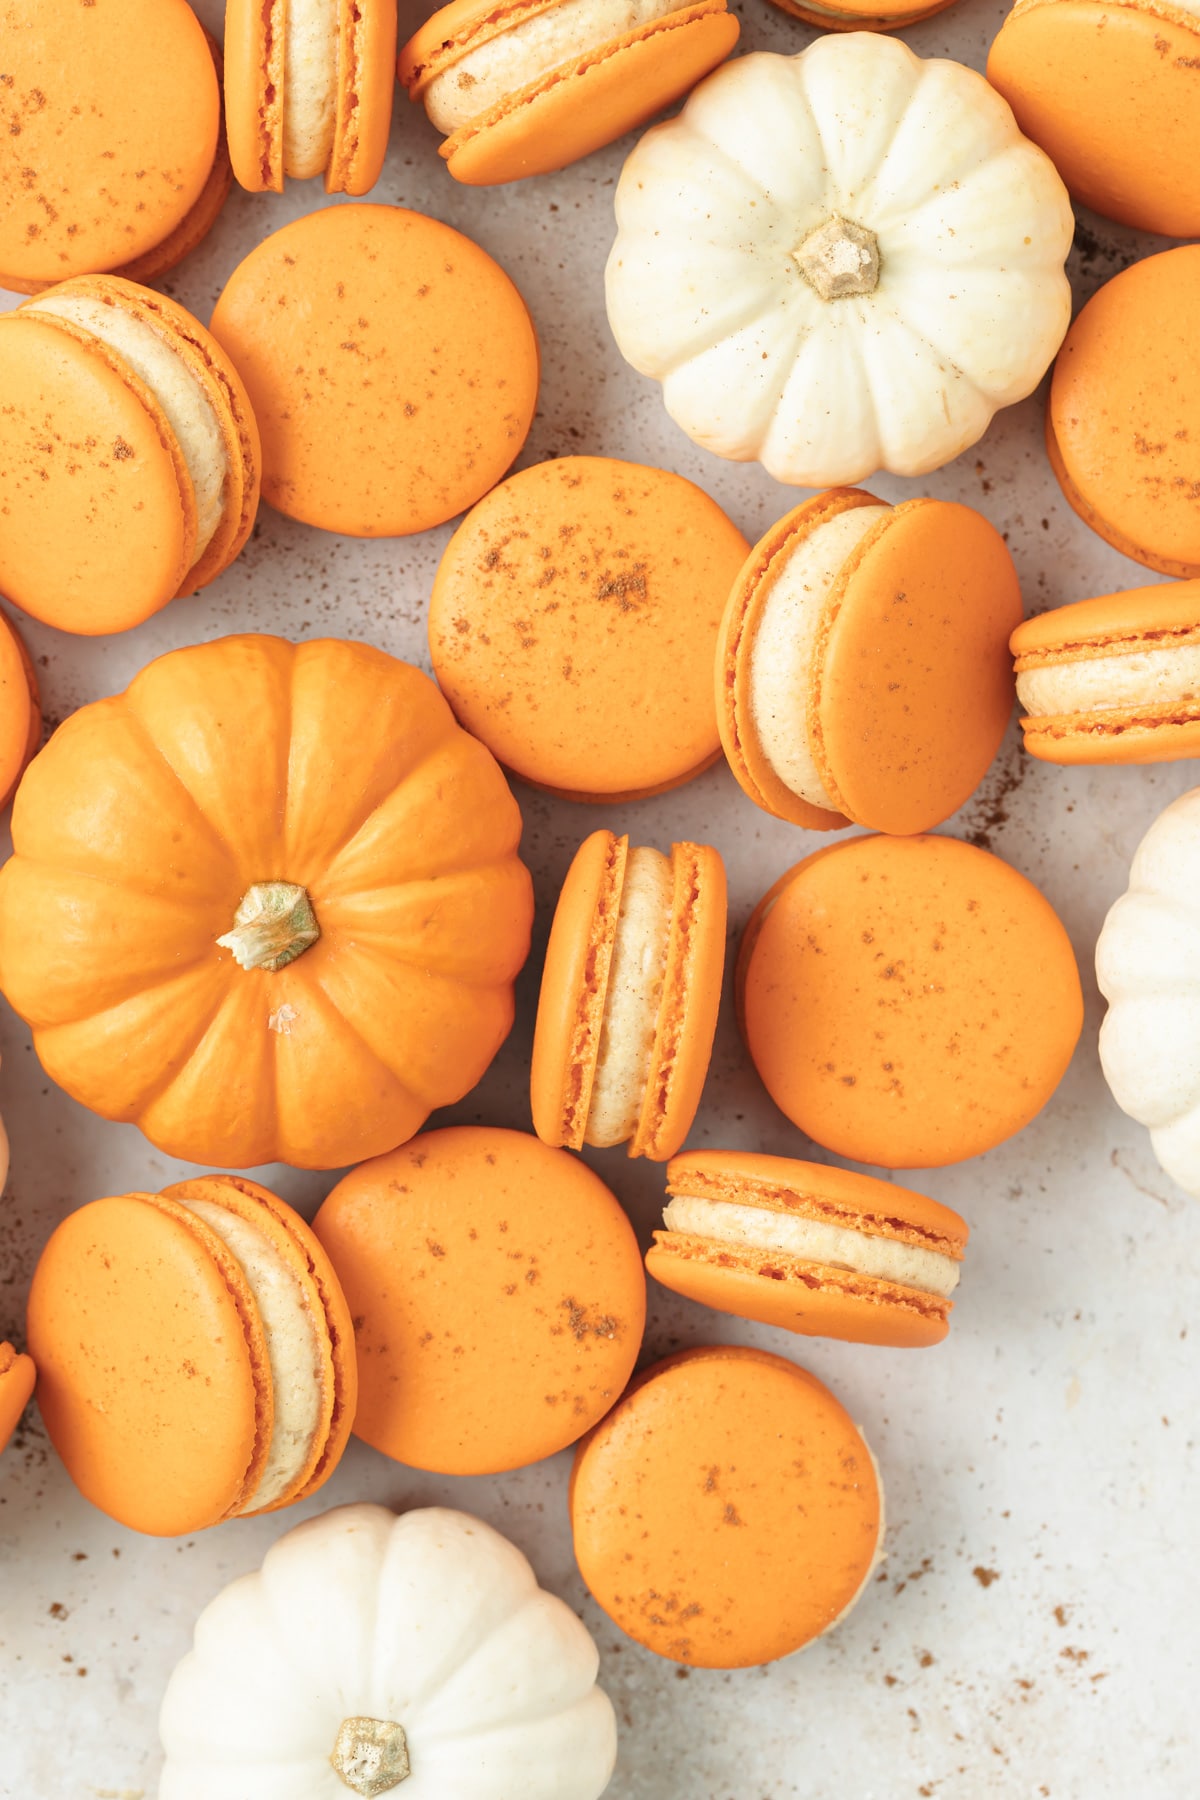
point(1121, 424)
point(573, 624)
point(1149, 619)
point(575, 977)
point(1109, 92)
point(17, 1377)
point(577, 107)
point(497, 1293)
point(110, 136)
point(911, 689)
point(20, 709)
point(428, 367)
point(727, 1511)
point(815, 1299)
point(908, 1002)
point(867, 16)
point(256, 83)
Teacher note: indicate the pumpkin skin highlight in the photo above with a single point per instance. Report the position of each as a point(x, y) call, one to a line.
point(138, 833)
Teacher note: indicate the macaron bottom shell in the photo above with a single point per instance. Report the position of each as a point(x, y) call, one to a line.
point(17, 1378)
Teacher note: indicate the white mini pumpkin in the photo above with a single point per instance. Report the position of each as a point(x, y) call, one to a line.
point(1148, 967)
point(375, 1654)
point(841, 261)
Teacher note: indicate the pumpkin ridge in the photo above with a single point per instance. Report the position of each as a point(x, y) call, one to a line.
point(403, 1083)
point(216, 836)
point(444, 744)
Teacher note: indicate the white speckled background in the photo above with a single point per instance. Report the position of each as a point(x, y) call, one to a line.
point(1034, 1630)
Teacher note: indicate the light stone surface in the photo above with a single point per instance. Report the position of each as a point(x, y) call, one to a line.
point(1034, 1630)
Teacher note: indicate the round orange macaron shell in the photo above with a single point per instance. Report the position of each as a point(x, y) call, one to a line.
point(865, 15)
point(1121, 424)
point(574, 620)
point(1149, 618)
point(1109, 93)
point(152, 1364)
point(727, 1511)
point(392, 367)
point(566, 1044)
point(813, 1299)
point(111, 113)
point(20, 709)
point(585, 103)
point(17, 1378)
point(912, 687)
point(498, 1297)
point(908, 1002)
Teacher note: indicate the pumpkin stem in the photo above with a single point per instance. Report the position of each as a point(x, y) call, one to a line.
point(839, 259)
point(274, 924)
point(371, 1756)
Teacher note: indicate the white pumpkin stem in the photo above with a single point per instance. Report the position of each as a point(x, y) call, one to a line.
point(273, 925)
point(370, 1756)
point(840, 259)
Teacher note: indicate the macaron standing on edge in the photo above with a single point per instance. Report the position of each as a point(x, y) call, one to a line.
point(195, 1354)
point(528, 86)
point(809, 1247)
point(308, 91)
point(17, 1378)
point(630, 992)
point(20, 710)
point(862, 671)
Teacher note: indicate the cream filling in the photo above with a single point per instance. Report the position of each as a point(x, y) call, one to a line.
point(293, 1349)
point(1106, 683)
point(814, 1241)
point(785, 649)
point(506, 64)
point(190, 413)
point(635, 983)
point(310, 55)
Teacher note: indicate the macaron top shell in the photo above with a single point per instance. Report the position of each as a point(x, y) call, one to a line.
point(908, 1002)
point(392, 367)
point(17, 1377)
point(1121, 424)
point(573, 623)
point(110, 115)
point(727, 1511)
point(1109, 92)
point(498, 1298)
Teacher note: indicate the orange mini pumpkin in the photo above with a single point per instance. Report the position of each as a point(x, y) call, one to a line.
point(266, 904)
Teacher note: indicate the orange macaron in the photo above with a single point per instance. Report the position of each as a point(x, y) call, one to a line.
point(809, 1247)
point(497, 1294)
point(1109, 92)
point(113, 156)
point(1121, 426)
point(308, 91)
point(574, 621)
point(861, 15)
point(392, 366)
point(17, 1378)
point(129, 455)
point(526, 86)
point(20, 709)
point(1113, 680)
point(908, 1001)
point(195, 1354)
point(862, 670)
point(727, 1511)
point(630, 993)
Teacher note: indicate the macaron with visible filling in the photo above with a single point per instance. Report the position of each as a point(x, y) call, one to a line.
point(630, 993)
point(808, 1247)
point(129, 455)
point(392, 366)
point(528, 86)
point(1110, 94)
point(860, 15)
point(17, 1377)
point(727, 1511)
point(497, 1293)
point(112, 155)
point(1121, 427)
point(908, 1002)
point(20, 713)
point(862, 671)
point(1113, 680)
point(574, 621)
point(195, 1354)
point(308, 91)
